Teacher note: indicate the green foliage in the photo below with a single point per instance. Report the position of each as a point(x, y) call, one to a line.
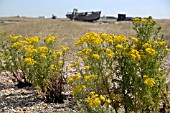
point(127, 71)
point(40, 65)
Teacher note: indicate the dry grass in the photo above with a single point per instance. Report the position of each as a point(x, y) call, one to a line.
point(69, 31)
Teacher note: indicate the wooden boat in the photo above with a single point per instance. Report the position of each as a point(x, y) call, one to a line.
point(84, 16)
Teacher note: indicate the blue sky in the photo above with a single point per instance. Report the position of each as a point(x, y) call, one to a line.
point(135, 8)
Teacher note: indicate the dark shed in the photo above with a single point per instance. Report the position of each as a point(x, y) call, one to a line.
point(121, 17)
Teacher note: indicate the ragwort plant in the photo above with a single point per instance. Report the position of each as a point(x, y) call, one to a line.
point(121, 72)
point(40, 64)
point(11, 59)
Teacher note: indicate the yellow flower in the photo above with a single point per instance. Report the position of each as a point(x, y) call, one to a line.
point(61, 62)
point(108, 101)
point(119, 38)
point(43, 56)
point(134, 39)
point(102, 98)
point(147, 45)
point(80, 53)
point(168, 50)
point(13, 37)
point(150, 51)
point(135, 54)
point(145, 76)
point(52, 67)
point(92, 93)
point(143, 20)
point(59, 53)
point(162, 43)
point(17, 44)
point(78, 75)
point(87, 51)
point(107, 37)
point(75, 64)
point(96, 56)
point(78, 89)
point(32, 40)
point(27, 47)
point(70, 80)
point(87, 67)
point(64, 48)
point(150, 82)
point(97, 102)
point(136, 19)
point(89, 77)
point(86, 78)
point(119, 46)
point(110, 54)
point(43, 49)
point(90, 38)
point(29, 61)
point(2, 33)
point(50, 39)
point(73, 78)
point(76, 57)
point(93, 100)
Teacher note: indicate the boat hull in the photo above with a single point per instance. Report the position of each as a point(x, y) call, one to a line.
point(85, 16)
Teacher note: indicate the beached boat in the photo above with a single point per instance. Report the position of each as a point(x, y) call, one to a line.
point(84, 16)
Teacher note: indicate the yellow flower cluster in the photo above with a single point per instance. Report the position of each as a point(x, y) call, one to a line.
point(133, 39)
point(17, 44)
point(73, 78)
point(56, 53)
point(119, 46)
point(150, 82)
point(78, 89)
point(151, 51)
point(29, 61)
point(43, 56)
point(89, 77)
point(94, 100)
point(13, 37)
point(75, 64)
point(109, 52)
point(106, 37)
point(96, 56)
point(90, 38)
point(149, 20)
point(32, 40)
point(50, 39)
point(52, 67)
point(112, 38)
point(119, 38)
point(65, 48)
point(87, 67)
point(136, 19)
point(27, 48)
point(143, 20)
point(135, 54)
point(2, 33)
point(43, 49)
point(162, 43)
point(30, 50)
point(147, 45)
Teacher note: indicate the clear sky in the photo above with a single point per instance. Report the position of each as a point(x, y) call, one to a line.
point(134, 8)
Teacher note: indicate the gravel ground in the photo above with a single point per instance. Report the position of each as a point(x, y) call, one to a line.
point(25, 100)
